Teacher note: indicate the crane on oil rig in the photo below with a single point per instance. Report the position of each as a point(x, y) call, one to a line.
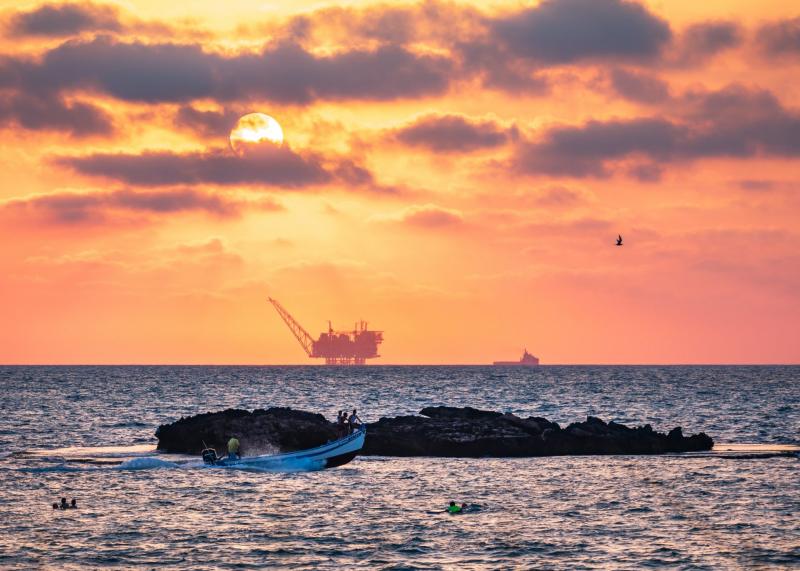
point(336, 347)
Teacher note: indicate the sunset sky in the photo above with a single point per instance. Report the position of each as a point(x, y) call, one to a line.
point(456, 174)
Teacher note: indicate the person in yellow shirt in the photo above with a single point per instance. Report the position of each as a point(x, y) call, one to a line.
point(233, 448)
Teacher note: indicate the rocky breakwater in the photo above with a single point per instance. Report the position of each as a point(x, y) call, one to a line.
point(440, 431)
point(468, 432)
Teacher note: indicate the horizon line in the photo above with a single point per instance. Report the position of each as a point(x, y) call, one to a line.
point(320, 365)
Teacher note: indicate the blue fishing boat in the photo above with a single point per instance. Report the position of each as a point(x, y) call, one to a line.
point(330, 455)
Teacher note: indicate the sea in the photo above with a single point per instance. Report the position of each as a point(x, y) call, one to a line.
point(89, 433)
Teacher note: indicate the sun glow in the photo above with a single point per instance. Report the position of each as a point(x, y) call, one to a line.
point(253, 130)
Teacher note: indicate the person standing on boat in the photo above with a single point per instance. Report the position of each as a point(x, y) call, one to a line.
point(355, 422)
point(233, 448)
point(340, 427)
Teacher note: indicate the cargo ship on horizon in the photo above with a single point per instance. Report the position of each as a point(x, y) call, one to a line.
point(527, 360)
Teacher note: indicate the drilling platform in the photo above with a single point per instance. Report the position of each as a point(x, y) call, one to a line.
point(336, 347)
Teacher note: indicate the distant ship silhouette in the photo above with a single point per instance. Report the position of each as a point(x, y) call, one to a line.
point(527, 360)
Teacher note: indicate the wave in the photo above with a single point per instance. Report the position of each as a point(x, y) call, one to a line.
point(150, 461)
point(58, 468)
point(147, 463)
point(129, 424)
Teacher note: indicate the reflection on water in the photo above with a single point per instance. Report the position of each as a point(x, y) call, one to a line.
point(723, 510)
point(613, 512)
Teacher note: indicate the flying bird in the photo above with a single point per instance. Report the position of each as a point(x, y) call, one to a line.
point(619, 240)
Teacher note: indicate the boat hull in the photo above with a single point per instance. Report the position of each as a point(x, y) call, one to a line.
point(330, 455)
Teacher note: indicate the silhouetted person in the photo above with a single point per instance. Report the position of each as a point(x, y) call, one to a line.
point(64, 505)
point(619, 240)
point(74, 504)
point(55, 505)
point(345, 424)
point(340, 428)
point(355, 422)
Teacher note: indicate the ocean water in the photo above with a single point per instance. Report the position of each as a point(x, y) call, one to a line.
point(88, 433)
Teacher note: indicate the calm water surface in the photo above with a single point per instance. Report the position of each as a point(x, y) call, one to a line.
point(682, 512)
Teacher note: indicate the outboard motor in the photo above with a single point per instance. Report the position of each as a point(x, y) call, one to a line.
point(210, 456)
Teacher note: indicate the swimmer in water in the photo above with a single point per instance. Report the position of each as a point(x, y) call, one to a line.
point(55, 505)
point(453, 508)
point(64, 505)
point(74, 504)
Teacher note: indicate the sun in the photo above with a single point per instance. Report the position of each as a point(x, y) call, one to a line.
point(253, 131)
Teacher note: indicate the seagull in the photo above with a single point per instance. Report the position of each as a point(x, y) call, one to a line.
point(619, 240)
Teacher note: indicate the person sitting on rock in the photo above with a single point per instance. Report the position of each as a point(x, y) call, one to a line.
point(233, 448)
point(355, 422)
point(454, 508)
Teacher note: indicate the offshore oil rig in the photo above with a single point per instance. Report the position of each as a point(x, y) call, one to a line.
point(336, 347)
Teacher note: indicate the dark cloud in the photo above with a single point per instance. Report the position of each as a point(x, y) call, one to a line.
point(646, 172)
point(706, 39)
point(558, 197)
point(741, 122)
point(209, 123)
point(76, 118)
point(287, 73)
point(353, 175)
point(453, 133)
point(731, 103)
point(280, 167)
point(456, 29)
point(757, 185)
point(129, 71)
point(498, 69)
point(431, 23)
point(59, 20)
point(166, 72)
point(781, 37)
point(732, 122)
point(79, 208)
point(173, 201)
point(639, 87)
point(566, 31)
point(583, 151)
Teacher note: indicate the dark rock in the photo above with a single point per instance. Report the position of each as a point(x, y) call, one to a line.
point(467, 412)
point(260, 431)
point(441, 431)
point(676, 433)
